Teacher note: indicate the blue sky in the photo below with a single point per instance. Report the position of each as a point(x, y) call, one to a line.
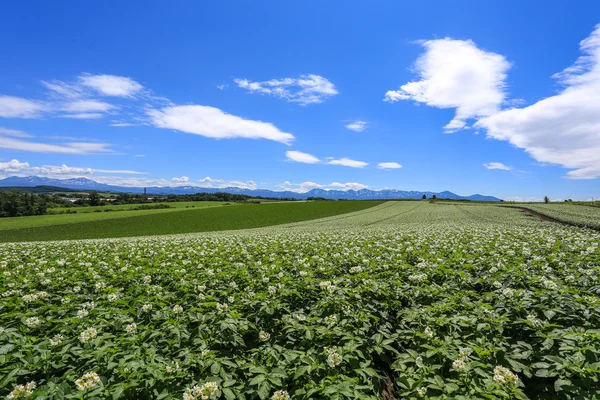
point(492, 97)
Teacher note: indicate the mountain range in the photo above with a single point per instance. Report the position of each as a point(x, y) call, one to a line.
point(362, 194)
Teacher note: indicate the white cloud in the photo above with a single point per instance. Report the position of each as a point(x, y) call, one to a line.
point(222, 86)
point(14, 140)
point(301, 157)
point(562, 129)
point(457, 74)
point(209, 182)
point(111, 85)
point(348, 186)
point(86, 106)
point(181, 179)
point(214, 123)
point(357, 126)
point(17, 107)
point(346, 162)
point(307, 186)
point(15, 167)
point(83, 116)
point(497, 165)
point(307, 89)
point(389, 165)
point(14, 133)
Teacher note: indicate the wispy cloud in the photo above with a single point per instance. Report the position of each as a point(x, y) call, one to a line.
point(298, 156)
point(347, 162)
point(497, 165)
point(181, 179)
point(357, 126)
point(16, 140)
point(307, 89)
point(389, 165)
point(17, 107)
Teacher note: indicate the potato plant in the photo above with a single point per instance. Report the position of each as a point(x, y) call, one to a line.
point(474, 309)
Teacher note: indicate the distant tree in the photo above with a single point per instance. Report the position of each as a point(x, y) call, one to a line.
point(424, 197)
point(546, 199)
point(434, 197)
point(94, 199)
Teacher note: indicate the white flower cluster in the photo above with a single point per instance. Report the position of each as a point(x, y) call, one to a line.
point(208, 391)
point(428, 332)
point(177, 309)
point(328, 286)
point(417, 278)
point(22, 391)
point(330, 320)
point(147, 308)
point(221, 308)
point(131, 328)
point(264, 336)
point(333, 357)
point(504, 376)
point(88, 381)
point(87, 335)
point(56, 340)
point(281, 395)
point(33, 322)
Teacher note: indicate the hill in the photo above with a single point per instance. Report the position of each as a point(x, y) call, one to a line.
point(362, 194)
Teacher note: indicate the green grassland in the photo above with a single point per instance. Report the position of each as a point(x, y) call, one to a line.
point(159, 222)
point(87, 214)
point(126, 207)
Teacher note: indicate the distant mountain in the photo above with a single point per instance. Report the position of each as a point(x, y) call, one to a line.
point(362, 194)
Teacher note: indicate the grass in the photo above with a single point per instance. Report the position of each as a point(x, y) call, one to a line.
point(88, 216)
point(125, 207)
point(187, 221)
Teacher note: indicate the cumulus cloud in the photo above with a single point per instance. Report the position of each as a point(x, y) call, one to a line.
point(16, 140)
point(389, 165)
point(181, 179)
point(298, 156)
point(357, 126)
point(209, 182)
point(18, 168)
point(563, 129)
point(457, 74)
point(308, 186)
point(346, 162)
point(497, 165)
point(307, 89)
point(17, 107)
point(214, 123)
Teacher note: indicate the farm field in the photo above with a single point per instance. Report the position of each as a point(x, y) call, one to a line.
point(399, 300)
point(83, 215)
point(571, 214)
point(173, 221)
point(126, 207)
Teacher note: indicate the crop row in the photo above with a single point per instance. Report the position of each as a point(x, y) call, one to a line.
point(438, 311)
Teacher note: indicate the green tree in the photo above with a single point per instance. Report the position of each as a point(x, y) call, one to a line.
point(424, 197)
point(94, 199)
point(546, 199)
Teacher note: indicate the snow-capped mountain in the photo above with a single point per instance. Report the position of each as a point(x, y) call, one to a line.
point(362, 194)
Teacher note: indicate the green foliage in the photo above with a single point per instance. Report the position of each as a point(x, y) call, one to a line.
point(413, 299)
point(214, 219)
